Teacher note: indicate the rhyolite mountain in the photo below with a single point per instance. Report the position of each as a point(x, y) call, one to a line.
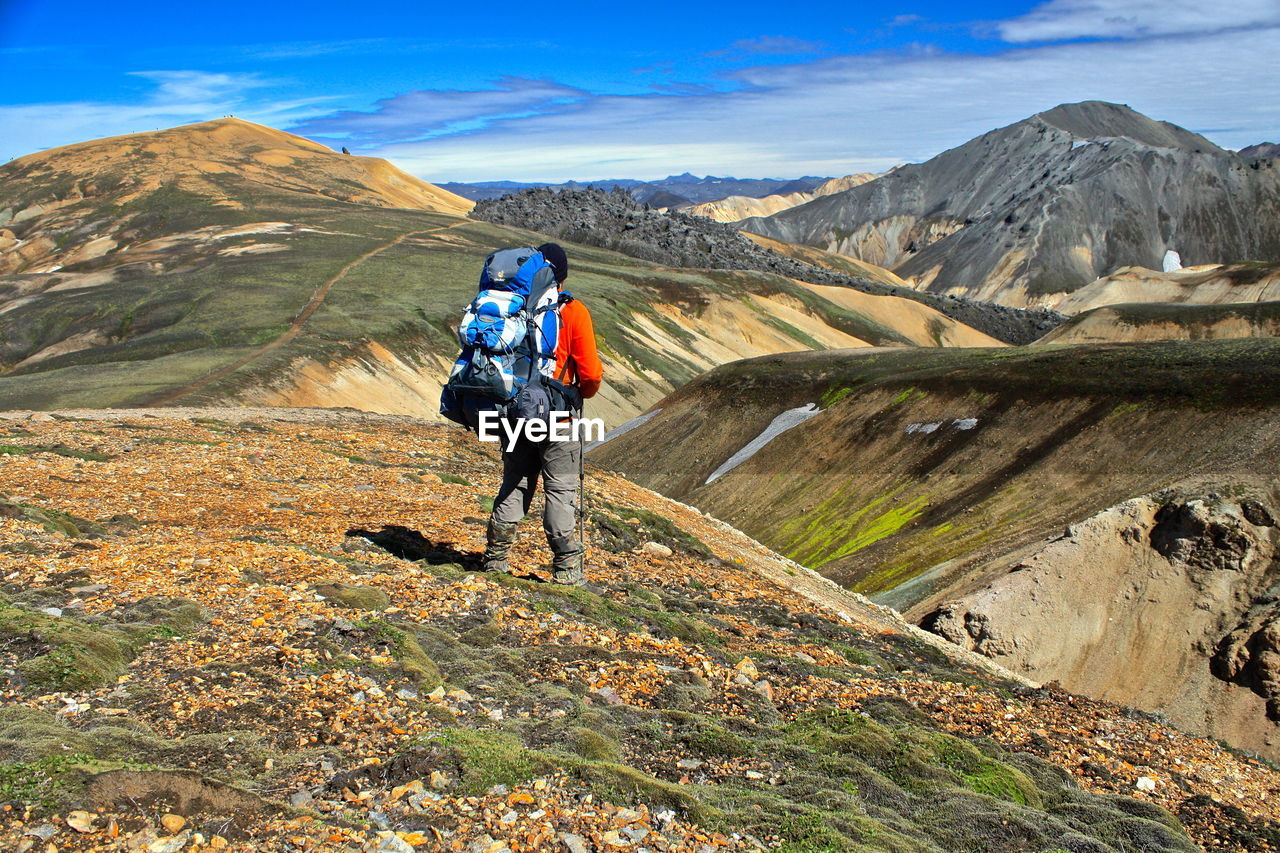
point(738, 207)
point(1028, 213)
point(671, 191)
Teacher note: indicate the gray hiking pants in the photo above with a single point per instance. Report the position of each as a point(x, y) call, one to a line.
point(559, 463)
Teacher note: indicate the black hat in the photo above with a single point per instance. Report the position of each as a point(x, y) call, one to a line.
point(554, 255)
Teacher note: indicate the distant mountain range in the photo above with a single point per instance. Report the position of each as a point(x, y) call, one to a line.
point(1028, 213)
point(672, 191)
point(738, 207)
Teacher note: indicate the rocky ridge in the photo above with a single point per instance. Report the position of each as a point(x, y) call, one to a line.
point(616, 221)
point(679, 190)
point(1261, 149)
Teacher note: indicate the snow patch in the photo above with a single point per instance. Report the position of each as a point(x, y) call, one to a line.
point(927, 428)
point(254, 228)
point(783, 422)
point(624, 428)
point(1172, 261)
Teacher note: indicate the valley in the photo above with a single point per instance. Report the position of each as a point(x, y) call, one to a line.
point(931, 475)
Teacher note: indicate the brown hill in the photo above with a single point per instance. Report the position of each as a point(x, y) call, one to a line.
point(195, 158)
point(227, 261)
point(1209, 284)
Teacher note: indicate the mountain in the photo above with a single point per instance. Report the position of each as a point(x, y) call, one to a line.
point(74, 204)
point(688, 188)
point(481, 190)
point(664, 199)
point(1029, 213)
point(230, 262)
point(922, 477)
point(737, 207)
point(616, 221)
point(1262, 149)
point(263, 629)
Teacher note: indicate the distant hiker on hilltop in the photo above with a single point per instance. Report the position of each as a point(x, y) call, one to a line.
point(529, 359)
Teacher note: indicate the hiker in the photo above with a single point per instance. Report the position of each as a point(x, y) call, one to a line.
point(529, 354)
point(558, 462)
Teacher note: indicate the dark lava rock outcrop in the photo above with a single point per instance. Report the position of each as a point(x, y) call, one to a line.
point(616, 221)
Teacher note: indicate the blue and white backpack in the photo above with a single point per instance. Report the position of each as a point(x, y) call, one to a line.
point(508, 335)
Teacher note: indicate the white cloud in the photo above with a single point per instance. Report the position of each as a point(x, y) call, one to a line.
point(1061, 20)
point(849, 114)
point(830, 116)
point(426, 113)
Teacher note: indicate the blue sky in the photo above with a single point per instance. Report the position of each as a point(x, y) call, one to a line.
point(547, 91)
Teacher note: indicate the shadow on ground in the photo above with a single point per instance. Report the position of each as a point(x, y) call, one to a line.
point(400, 541)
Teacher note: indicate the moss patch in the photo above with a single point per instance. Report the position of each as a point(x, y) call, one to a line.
point(624, 529)
point(354, 597)
point(65, 654)
point(52, 520)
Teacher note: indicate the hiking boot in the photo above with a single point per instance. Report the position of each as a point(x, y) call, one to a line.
point(566, 565)
point(500, 536)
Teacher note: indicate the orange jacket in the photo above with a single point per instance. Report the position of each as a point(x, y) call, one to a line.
point(577, 362)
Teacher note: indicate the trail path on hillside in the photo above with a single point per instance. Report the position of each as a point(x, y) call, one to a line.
point(295, 328)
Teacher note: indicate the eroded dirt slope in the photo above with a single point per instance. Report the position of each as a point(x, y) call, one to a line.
point(1166, 602)
point(257, 630)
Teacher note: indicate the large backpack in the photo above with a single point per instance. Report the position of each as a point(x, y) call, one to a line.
point(508, 336)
